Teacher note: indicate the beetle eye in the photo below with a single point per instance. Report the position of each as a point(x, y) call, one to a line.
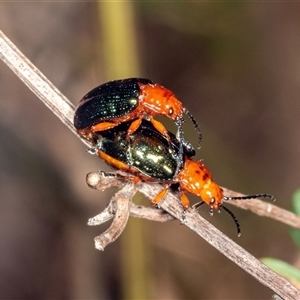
point(171, 111)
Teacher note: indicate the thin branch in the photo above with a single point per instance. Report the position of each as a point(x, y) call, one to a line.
point(149, 213)
point(138, 211)
point(103, 180)
point(264, 209)
point(37, 82)
point(121, 200)
point(215, 238)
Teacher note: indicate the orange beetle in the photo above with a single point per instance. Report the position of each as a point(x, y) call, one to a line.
point(196, 179)
point(132, 99)
point(150, 160)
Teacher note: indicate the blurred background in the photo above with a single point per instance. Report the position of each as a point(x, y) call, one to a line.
point(235, 66)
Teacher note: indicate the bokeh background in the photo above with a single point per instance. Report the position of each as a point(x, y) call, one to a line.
point(234, 65)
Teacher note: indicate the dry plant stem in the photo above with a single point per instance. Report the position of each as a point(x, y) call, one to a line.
point(149, 213)
point(221, 242)
point(122, 200)
point(107, 214)
point(36, 81)
point(103, 180)
point(138, 211)
point(264, 209)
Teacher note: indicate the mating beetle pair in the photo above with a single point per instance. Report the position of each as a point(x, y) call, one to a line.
point(150, 160)
point(131, 99)
point(118, 118)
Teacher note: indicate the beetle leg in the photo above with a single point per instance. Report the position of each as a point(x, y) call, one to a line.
point(103, 126)
point(160, 196)
point(161, 128)
point(127, 176)
point(133, 127)
point(107, 174)
point(134, 179)
point(92, 150)
point(184, 200)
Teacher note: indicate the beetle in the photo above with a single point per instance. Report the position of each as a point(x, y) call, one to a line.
point(131, 99)
point(150, 160)
point(147, 153)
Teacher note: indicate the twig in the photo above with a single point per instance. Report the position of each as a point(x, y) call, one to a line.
point(265, 209)
point(121, 200)
point(37, 82)
point(103, 180)
point(215, 238)
point(138, 211)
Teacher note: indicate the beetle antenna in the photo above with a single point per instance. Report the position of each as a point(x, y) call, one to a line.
point(196, 126)
point(238, 227)
point(271, 197)
point(237, 224)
